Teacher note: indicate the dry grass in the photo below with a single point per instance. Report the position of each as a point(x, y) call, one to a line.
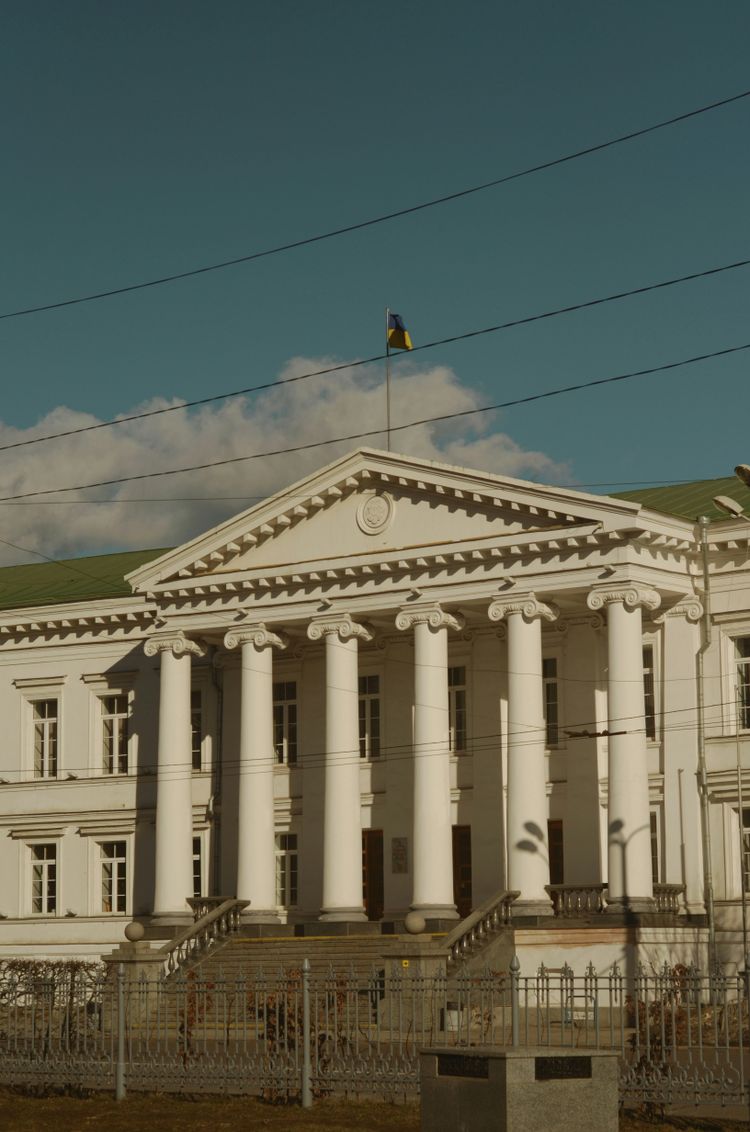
point(208, 1114)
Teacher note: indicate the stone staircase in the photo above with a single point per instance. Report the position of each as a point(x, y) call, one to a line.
point(240, 956)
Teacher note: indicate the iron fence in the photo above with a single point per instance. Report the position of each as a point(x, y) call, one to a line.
point(682, 1034)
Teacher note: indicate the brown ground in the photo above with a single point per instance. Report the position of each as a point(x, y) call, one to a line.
point(173, 1114)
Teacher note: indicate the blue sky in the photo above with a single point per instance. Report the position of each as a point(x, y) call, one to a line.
point(145, 138)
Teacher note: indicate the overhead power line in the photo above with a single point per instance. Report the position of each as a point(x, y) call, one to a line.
point(377, 431)
point(524, 321)
point(383, 218)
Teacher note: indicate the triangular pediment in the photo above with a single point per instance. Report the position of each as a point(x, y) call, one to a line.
point(372, 507)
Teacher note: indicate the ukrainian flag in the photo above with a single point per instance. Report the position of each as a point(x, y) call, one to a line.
point(398, 335)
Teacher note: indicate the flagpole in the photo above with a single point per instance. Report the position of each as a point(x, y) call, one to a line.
point(387, 383)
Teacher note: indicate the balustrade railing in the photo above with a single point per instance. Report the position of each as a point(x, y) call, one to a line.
point(575, 901)
point(197, 939)
point(667, 897)
point(479, 928)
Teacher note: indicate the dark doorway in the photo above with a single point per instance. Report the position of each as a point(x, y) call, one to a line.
point(556, 855)
point(462, 869)
point(373, 895)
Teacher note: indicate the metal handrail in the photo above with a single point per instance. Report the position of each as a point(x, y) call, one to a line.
point(200, 936)
point(481, 925)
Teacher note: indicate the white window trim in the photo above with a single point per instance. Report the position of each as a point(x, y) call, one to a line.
point(462, 660)
point(283, 675)
point(653, 641)
point(202, 681)
point(34, 689)
point(288, 908)
point(113, 684)
point(370, 670)
point(95, 876)
point(553, 650)
point(27, 873)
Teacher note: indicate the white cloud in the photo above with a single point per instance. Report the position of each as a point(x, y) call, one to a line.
point(351, 401)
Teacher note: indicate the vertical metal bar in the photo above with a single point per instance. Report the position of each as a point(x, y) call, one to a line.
point(120, 1066)
point(387, 383)
point(307, 1099)
point(515, 967)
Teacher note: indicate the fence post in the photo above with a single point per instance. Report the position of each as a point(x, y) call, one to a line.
point(307, 1099)
point(120, 1092)
point(515, 968)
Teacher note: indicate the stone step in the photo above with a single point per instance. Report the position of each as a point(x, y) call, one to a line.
point(240, 956)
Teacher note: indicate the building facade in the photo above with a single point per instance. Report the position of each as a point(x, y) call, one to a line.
point(395, 685)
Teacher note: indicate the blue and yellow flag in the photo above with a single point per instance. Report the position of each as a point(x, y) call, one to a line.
point(398, 335)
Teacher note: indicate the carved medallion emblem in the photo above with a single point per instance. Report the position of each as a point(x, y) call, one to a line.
point(375, 513)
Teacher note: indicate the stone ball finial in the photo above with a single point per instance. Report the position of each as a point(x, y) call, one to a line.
point(415, 923)
point(134, 932)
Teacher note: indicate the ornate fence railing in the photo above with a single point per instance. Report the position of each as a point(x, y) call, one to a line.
point(577, 900)
point(682, 1036)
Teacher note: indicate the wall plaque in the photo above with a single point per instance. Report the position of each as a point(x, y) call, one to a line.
point(399, 854)
point(459, 1065)
point(561, 1068)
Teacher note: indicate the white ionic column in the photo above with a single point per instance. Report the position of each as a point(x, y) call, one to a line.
point(173, 874)
point(256, 844)
point(628, 821)
point(342, 821)
point(432, 858)
point(528, 848)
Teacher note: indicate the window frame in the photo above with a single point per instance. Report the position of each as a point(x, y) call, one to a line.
point(552, 730)
point(454, 691)
point(99, 843)
point(656, 814)
point(282, 757)
point(740, 699)
point(286, 860)
point(114, 684)
point(367, 751)
point(31, 846)
point(36, 690)
point(651, 643)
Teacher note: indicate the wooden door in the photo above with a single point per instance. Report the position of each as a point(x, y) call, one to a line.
point(462, 869)
point(373, 894)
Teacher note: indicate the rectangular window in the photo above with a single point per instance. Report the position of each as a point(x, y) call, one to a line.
point(196, 728)
point(655, 847)
point(556, 848)
point(369, 717)
point(649, 695)
point(285, 721)
point(551, 701)
point(197, 868)
point(115, 733)
point(44, 713)
point(43, 880)
point(286, 870)
point(457, 709)
point(113, 858)
point(742, 660)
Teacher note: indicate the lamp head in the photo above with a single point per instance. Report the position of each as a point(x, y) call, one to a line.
point(742, 471)
point(729, 506)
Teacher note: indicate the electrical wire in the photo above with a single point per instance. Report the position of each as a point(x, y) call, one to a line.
point(379, 431)
point(339, 367)
point(382, 219)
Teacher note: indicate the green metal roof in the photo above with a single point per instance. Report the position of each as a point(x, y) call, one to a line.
point(689, 500)
point(73, 579)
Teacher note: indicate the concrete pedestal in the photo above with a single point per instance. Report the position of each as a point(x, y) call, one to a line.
point(486, 1089)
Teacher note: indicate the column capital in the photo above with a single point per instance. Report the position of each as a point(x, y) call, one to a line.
point(690, 607)
point(528, 605)
point(632, 596)
point(339, 623)
point(430, 613)
point(256, 633)
point(176, 643)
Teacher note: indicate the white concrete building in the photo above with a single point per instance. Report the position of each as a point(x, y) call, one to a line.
point(393, 685)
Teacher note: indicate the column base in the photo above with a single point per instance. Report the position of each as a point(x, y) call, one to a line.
point(623, 905)
point(343, 915)
point(436, 911)
point(531, 908)
point(260, 916)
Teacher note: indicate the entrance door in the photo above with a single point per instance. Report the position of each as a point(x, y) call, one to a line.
point(462, 869)
point(373, 895)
